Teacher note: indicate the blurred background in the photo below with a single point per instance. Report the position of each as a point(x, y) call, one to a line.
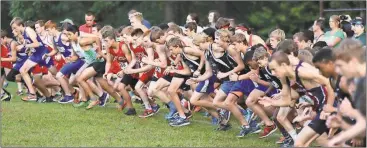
point(260, 15)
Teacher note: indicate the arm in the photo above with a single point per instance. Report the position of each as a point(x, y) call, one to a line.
point(240, 66)
point(108, 61)
point(13, 57)
point(286, 99)
point(334, 42)
point(84, 34)
point(198, 53)
point(127, 53)
point(32, 34)
point(162, 63)
point(133, 60)
point(208, 72)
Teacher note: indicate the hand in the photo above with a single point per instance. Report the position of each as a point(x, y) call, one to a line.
point(145, 60)
point(233, 77)
point(356, 142)
point(105, 75)
point(324, 115)
point(328, 108)
point(120, 73)
point(221, 75)
point(266, 101)
point(334, 121)
point(196, 74)
point(303, 105)
point(254, 77)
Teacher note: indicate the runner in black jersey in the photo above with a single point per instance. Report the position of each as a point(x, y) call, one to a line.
point(303, 79)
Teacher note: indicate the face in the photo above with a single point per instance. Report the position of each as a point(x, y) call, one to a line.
point(39, 29)
point(346, 69)
point(332, 23)
point(147, 42)
point(262, 62)
point(238, 46)
point(273, 42)
point(189, 19)
point(108, 42)
point(218, 40)
point(15, 33)
point(211, 17)
point(137, 40)
point(295, 39)
point(15, 28)
point(326, 68)
point(252, 64)
point(89, 20)
point(358, 29)
point(70, 35)
point(276, 69)
point(94, 30)
point(133, 20)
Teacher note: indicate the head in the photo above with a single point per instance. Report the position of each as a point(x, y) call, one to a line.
point(213, 16)
point(190, 28)
point(222, 37)
point(239, 41)
point(288, 47)
point(222, 23)
point(71, 31)
point(276, 36)
point(305, 55)
point(17, 24)
point(135, 17)
point(4, 37)
point(192, 17)
point(243, 28)
point(261, 56)
point(248, 60)
point(40, 26)
point(324, 61)
point(96, 28)
point(279, 63)
point(163, 26)
point(334, 22)
point(350, 55)
point(158, 36)
point(210, 34)
point(50, 27)
point(137, 37)
point(358, 26)
point(175, 45)
point(199, 40)
point(318, 25)
point(109, 38)
point(126, 34)
point(89, 18)
point(303, 39)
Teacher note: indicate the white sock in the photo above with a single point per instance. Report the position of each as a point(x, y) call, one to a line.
point(293, 134)
point(147, 105)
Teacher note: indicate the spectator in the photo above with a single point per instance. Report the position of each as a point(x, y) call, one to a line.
point(213, 16)
point(193, 17)
point(143, 21)
point(318, 30)
point(359, 32)
point(335, 35)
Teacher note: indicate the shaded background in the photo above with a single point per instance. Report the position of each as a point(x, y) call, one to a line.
point(261, 15)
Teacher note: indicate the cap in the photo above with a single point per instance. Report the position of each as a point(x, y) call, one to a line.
point(67, 21)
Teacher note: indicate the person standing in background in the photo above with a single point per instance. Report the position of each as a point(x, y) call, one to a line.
point(359, 31)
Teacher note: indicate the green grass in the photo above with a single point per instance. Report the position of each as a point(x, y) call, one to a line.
point(34, 124)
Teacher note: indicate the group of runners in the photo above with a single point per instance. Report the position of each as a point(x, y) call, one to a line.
point(310, 87)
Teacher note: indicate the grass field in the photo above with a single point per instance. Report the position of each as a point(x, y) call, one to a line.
point(34, 124)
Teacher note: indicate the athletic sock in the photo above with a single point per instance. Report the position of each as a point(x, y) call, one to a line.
point(293, 134)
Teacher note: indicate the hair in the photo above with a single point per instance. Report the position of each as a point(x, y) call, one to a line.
point(319, 44)
point(278, 34)
point(323, 55)
point(163, 26)
point(137, 32)
point(40, 22)
point(30, 24)
point(224, 35)
point(127, 30)
point(288, 46)
point(280, 57)
point(248, 56)
point(192, 26)
point(4, 33)
point(89, 13)
point(216, 15)
point(132, 11)
point(121, 28)
point(222, 23)
point(210, 32)
point(155, 35)
point(245, 27)
point(336, 19)
point(50, 24)
point(72, 28)
point(350, 48)
point(17, 20)
point(321, 23)
point(175, 29)
point(136, 14)
point(106, 29)
point(305, 56)
point(98, 26)
point(239, 38)
point(195, 17)
point(198, 38)
point(109, 34)
point(175, 42)
point(304, 36)
point(260, 53)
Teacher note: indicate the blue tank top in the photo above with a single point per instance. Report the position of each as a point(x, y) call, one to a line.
point(40, 49)
point(21, 55)
point(61, 47)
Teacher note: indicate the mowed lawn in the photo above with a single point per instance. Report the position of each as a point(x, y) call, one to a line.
point(34, 124)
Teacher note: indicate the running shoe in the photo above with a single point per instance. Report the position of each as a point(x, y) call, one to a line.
point(224, 127)
point(268, 130)
point(244, 131)
point(66, 99)
point(130, 112)
point(81, 104)
point(281, 140)
point(288, 142)
point(215, 121)
point(92, 104)
point(103, 99)
point(180, 122)
point(147, 113)
point(156, 108)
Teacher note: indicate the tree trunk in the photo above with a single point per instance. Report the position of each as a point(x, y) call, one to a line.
point(168, 11)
